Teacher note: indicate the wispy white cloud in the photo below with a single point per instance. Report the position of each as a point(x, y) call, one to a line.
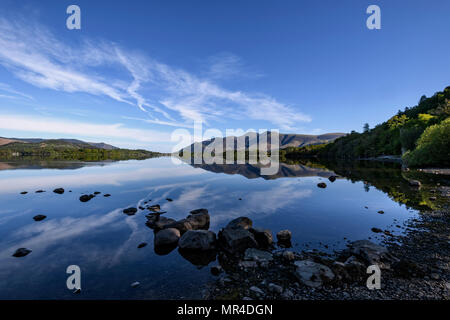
point(167, 95)
point(80, 129)
point(15, 94)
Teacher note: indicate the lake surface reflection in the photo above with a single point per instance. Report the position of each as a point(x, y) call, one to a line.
point(103, 241)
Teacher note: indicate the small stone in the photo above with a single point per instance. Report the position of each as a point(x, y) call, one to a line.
point(381, 212)
point(216, 270)
point(59, 191)
point(435, 276)
point(141, 245)
point(376, 230)
point(40, 191)
point(39, 217)
point(253, 254)
point(332, 178)
point(24, 192)
point(247, 264)
point(322, 185)
point(97, 192)
point(169, 199)
point(284, 235)
point(21, 252)
point(256, 290)
point(107, 195)
point(288, 256)
point(86, 198)
point(130, 211)
point(275, 288)
point(414, 183)
point(135, 284)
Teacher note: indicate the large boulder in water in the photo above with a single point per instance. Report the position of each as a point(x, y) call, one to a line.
point(182, 225)
point(262, 236)
point(200, 240)
point(241, 222)
point(158, 223)
point(167, 237)
point(199, 219)
point(237, 240)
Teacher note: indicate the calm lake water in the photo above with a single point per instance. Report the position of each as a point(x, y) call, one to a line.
point(103, 241)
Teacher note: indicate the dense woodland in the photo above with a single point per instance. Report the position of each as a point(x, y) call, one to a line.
point(420, 135)
point(61, 150)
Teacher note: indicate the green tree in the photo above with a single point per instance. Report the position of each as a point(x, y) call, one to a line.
point(433, 147)
point(366, 127)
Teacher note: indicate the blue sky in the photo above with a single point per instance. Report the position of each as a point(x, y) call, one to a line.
point(137, 70)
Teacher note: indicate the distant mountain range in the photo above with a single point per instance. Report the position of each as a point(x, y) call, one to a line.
point(285, 141)
point(59, 142)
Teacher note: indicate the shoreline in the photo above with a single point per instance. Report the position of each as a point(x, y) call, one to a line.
point(414, 266)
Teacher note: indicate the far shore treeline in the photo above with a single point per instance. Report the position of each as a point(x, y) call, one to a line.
point(62, 150)
point(419, 136)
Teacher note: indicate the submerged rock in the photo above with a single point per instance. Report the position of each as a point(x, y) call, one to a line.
point(39, 217)
point(198, 257)
point(21, 252)
point(312, 274)
point(130, 211)
point(202, 240)
point(59, 191)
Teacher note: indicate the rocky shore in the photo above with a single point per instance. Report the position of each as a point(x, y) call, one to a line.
point(413, 266)
point(251, 264)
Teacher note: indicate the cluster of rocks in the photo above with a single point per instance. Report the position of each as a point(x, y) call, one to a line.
point(418, 268)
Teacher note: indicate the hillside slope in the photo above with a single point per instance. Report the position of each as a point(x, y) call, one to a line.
point(420, 135)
